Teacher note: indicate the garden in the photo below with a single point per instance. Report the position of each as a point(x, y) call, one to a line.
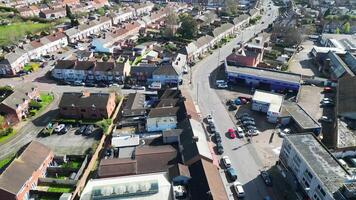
point(36, 106)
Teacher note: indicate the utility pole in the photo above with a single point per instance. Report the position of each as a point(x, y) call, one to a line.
point(197, 92)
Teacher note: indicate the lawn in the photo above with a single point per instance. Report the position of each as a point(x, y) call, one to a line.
point(10, 34)
point(4, 138)
point(72, 165)
point(30, 67)
point(60, 189)
point(6, 161)
point(46, 99)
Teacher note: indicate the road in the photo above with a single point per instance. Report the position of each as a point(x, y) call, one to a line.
point(243, 156)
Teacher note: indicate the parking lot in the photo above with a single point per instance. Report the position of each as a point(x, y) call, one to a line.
point(70, 143)
point(267, 143)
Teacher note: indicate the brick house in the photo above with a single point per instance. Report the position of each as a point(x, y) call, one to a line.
point(243, 57)
point(87, 105)
point(15, 106)
point(53, 13)
point(23, 173)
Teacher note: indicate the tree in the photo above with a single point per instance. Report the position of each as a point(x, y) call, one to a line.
point(2, 122)
point(69, 12)
point(337, 31)
point(171, 24)
point(346, 28)
point(231, 7)
point(189, 27)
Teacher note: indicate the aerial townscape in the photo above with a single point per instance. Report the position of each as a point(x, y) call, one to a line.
point(178, 100)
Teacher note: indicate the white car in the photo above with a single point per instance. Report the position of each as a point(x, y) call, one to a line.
point(239, 189)
point(226, 161)
point(209, 118)
point(59, 128)
point(222, 85)
point(284, 132)
point(326, 99)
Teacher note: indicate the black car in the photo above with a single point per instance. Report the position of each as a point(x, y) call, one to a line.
point(212, 128)
point(127, 86)
point(89, 130)
point(102, 85)
point(266, 178)
point(219, 148)
point(64, 130)
point(90, 84)
point(232, 108)
point(251, 127)
point(217, 138)
point(81, 130)
point(231, 173)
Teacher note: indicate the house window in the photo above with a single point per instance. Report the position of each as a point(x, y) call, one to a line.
point(82, 110)
point(64, 108)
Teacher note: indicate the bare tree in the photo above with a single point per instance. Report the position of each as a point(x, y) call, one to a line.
point(171, 24)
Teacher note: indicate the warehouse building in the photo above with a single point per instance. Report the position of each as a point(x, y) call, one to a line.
point(265, 79)
point(269, 103)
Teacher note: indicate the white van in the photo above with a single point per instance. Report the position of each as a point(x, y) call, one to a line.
point(240, 132)
point(239, 189)
point(342, 162)
point(155, 86)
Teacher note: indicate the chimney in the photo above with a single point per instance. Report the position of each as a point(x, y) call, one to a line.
point(85, 94)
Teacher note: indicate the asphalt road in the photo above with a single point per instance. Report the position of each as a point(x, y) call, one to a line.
point(243, 156)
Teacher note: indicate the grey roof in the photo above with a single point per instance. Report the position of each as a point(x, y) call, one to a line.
point(21, 169)
point(222, 29)
point(172, 132)
point(85, 26)
point(190, 48)
point(322, 162)
point(338, 66)
point(17, 97)
point(166, 70)
point(147, 69)
point(104, 66)
point(135, 105)
point(13, 56)
point(167, 103)
point(350, 61)
point(65, 64)
point(300, 116)
point(346, 95)
point(265, 73)
point(190, 148)
point(253, 11)
point(163, 112)
point(78, 99)
point(240, 19)
point(203, 40)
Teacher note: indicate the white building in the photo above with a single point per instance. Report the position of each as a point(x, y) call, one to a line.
point(269, 103)
point(91, 27)
point(155, 186)
point(160, 119)
point(309, 164)
point(123, 15)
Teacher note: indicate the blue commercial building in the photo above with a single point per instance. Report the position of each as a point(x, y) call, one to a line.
point(263, 78)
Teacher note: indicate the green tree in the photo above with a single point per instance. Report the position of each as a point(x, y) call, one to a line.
point(69, 12)
point(189, 27)
point(346, 28)
point(231, 7)
point(101, 11)
point(337, 31)
point(327, 12)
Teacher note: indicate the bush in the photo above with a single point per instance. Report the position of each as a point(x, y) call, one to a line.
point(104, 125)
point(5, 132)
point(35, 105)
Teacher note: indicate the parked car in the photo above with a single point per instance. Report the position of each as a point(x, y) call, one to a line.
point(219, 148)
point(78, 83)
point(266, 177)
point(81, 130)
point(226, 161)
point(327, 104)
point(251, 127)
point(252, 132)
point(89, 130)
point(246, 118)
point(328, 90)
point(212, 128)
point(64, 129)
point(59, 128)
point(217, 138)
point(247, 123)
point(90, 84)
point(240, 132)
point(284, 132)
point(231, 173)
point(239, 189)
point(231, 133)
point(232, 108)
point(222, 86)
point(326, 119)
point(209, 119)
point(327, 99)
point(217, 135)
point(137, 87)
point(237, 116)
point(126, 86)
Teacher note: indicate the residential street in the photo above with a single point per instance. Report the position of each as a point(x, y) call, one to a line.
point(243, 155)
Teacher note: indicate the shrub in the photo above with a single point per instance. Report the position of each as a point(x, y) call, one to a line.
point(35, 105)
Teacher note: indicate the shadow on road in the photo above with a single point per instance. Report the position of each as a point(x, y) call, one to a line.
point(45, 118)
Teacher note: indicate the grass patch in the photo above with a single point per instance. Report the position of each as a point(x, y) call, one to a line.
point(60, 189)
point(46, 99)
point(6, 161)
point(7, 136)
point(10, 34)
point(31, 67)
point(72, 165)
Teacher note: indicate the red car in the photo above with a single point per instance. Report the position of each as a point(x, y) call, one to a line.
point(232, 133)
point(328, 89)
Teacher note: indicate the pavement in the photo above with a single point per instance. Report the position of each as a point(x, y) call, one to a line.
point(244, 157)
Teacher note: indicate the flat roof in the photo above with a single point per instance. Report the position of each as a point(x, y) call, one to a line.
point(324, 165)
point(300, 116)
point(202, 143)
point(345, 136)
point(125, 141)
point(274, 99)
point(154, 186)
point(265, 73)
